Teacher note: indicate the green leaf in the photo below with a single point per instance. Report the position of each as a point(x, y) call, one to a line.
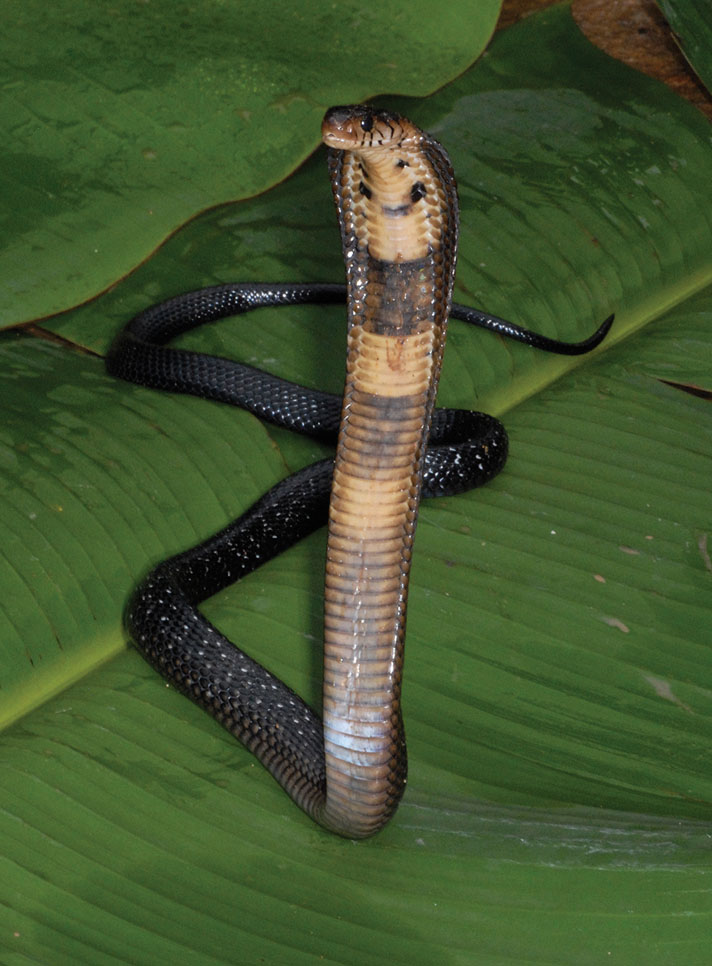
point(691, 23)
point(558, 684)
point(130, 118)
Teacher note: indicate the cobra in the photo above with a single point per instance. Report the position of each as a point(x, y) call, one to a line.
point(397, 206)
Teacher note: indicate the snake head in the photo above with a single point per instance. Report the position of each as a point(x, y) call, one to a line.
point(359, 126)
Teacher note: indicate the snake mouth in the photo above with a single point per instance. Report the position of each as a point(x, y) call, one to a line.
point(357, 126)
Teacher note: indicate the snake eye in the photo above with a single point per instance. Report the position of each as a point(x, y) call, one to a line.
point(367, 122)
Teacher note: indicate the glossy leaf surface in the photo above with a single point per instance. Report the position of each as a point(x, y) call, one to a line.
point(691, 22)
point(123, 121)
point(558, 683)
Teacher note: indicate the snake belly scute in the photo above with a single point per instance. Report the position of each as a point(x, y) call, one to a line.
point(397, 206)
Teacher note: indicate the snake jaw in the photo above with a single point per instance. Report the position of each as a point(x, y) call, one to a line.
point(359, 127)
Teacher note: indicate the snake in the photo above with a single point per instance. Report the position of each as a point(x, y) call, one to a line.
point(397, 207)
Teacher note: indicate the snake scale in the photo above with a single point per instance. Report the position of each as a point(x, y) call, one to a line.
point(397, 206)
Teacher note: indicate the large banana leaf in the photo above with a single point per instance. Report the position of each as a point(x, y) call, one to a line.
point(122, 120)
point(691, 22)
point(558, 693)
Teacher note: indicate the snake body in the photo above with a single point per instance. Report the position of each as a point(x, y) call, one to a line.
point(396, 200)
point(397, 205)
